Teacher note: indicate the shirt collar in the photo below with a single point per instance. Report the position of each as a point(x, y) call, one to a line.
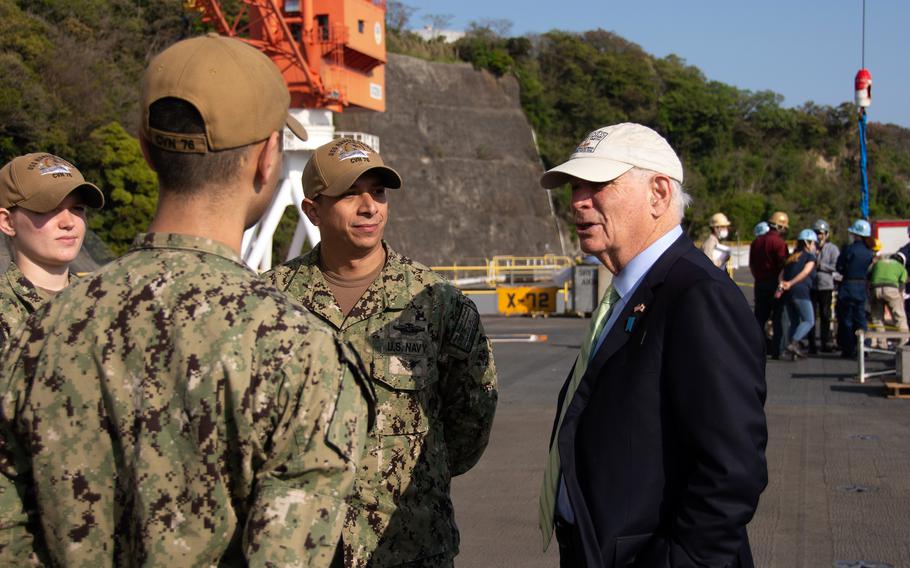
point(185, 242)
point(629, 277)
point(23, 287)
point(392, 287)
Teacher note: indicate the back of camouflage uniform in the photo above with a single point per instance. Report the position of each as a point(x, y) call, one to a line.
point(173, 409)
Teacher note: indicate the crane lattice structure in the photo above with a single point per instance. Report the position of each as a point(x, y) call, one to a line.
point(332, 56)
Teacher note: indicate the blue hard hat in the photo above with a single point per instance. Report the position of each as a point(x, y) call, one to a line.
point(762, 228)
point(861, 228)
point(807, 235)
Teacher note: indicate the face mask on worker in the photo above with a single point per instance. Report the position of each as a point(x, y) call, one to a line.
point(722, 233)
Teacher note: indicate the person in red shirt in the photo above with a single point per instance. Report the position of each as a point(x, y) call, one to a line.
point(767, 256)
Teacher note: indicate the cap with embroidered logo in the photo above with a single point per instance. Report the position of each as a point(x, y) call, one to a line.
point(40, 182)
point(334, 167)
point(609, 152)
point(237, 90)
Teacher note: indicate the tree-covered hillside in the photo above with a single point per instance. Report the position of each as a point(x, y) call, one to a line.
point(70, 86)
point(743, 152)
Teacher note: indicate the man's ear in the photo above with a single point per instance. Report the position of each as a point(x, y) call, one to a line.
point(144, 146)
point(661, 193)
point(311, 210)
point(6, 223)
point(269, 158)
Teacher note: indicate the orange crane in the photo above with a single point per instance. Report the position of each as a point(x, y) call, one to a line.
point(331, 52)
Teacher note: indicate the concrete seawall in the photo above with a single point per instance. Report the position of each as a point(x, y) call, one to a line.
point(470, 167)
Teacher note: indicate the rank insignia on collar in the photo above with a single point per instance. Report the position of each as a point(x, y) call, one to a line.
point(640, 308)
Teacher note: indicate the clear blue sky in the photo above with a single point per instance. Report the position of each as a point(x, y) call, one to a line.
point(806, 50)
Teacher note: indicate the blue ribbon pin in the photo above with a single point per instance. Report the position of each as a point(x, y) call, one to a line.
point(629, 323)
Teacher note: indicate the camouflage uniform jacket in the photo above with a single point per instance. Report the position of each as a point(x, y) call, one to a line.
point(174, 409)
point(432, 368)
point(18, 298)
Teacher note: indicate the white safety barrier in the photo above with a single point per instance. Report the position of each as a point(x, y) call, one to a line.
point(862, 349)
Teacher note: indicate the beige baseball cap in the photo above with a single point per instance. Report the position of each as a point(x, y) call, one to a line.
point(40, 182)
point(609, 152)
point(239, 92)
point(334, 167)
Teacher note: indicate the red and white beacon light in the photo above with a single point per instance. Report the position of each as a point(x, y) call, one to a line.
point(863, 87)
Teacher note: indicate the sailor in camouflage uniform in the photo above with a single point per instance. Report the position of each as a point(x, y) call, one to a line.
point(42, 211)
point(430, 362)
point(174, 409)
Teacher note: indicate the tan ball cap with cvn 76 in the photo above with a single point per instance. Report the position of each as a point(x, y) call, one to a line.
point(40, 182)
point(335, 167)
point(237, 90)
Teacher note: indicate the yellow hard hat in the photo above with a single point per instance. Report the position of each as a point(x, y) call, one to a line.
point(719, 220)
point(876, 245)
point(779, 219)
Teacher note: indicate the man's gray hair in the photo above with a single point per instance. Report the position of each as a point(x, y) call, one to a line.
point(679, 199)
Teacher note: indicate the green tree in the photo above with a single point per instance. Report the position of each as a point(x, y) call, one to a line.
point(31, 118)
point(114, 161)
point(485, 48)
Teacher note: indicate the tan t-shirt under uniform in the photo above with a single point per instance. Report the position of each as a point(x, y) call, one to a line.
point(348, 290)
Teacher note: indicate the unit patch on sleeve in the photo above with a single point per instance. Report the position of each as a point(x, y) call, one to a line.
point(466, 328)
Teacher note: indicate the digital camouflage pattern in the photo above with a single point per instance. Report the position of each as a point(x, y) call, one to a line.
point(176, 410)
point(18, 298)
point(432, 368)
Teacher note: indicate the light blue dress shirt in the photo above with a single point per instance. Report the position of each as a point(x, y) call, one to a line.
point(625, 283)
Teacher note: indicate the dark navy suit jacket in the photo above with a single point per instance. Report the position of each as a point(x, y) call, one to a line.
point(663, 444)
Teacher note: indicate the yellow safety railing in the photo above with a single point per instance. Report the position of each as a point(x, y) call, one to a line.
point(535, 268)
point(464, 274)
point(507, 269)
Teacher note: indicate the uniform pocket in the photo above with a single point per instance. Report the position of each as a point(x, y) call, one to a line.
point(402, 394)
point(403, 370)
point(399, 373)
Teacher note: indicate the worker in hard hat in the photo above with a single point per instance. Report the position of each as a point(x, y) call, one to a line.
point(780, 222)
point(762, 227)
point(886, 285)
point(822, 286)
point(876, 246)
point(793, 289)
point(853, 263)
point(720, 229)
point(767, 255)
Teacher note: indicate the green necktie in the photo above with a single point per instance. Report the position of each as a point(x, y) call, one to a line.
point(551, 474)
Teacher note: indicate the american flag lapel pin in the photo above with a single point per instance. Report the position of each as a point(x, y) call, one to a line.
point(630, 323)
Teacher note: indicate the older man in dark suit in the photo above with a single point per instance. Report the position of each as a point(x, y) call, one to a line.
point(657, 457)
